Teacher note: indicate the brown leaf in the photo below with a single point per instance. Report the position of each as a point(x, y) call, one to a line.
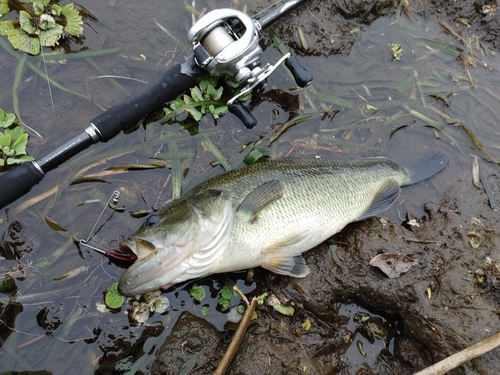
point(393, 264)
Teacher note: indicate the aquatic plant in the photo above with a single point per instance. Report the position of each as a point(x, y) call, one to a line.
point(41, 23)
point(13, 141)
point(204, 98)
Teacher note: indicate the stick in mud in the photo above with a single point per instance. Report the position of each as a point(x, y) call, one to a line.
point(463, 356)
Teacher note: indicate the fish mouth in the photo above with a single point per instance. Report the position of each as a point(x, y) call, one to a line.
point(154, 268)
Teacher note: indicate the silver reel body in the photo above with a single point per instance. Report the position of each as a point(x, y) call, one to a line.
point(226, 42)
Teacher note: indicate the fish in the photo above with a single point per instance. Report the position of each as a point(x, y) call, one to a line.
point(266, 215)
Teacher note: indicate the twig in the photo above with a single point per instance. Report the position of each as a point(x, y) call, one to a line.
point(237, 338)
point(465, 355)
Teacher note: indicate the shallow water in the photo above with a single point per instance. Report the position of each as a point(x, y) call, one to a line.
point(57, 317)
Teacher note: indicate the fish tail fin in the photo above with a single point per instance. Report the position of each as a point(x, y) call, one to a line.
point(424, 167)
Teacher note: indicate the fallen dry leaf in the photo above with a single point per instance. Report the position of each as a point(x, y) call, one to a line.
point(393, 264)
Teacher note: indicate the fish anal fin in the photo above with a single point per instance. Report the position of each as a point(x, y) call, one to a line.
point(260, 198)
point(383, 199)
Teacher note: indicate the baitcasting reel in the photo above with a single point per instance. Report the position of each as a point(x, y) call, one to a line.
point(226, 42)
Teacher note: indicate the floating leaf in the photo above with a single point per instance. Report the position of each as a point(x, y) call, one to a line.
point(46, 22)
point(50, 37)
point(226, 292)
point(224, 303)
point(5, 26)
point(5, 140)
point(19, 160)
point(8, 120)
point(197, 292)
point(26, 22)
point(73, 20)
point(113, 299)
point(4, 7)
point(393, 264)
point(205, 310)
point(39, 5)
point(23, 42)
point(56, 10)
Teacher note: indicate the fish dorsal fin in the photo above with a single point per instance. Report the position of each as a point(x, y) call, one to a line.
point(383, 199)
point(261, 197)
point(280, 260)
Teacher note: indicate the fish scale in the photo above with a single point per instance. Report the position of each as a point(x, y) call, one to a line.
point(265, 215)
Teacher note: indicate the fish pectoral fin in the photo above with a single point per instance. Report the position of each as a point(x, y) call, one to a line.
point(294, 266)
point(383, 199)
point(260, 198)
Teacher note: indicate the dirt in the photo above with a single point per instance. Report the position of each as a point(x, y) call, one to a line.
point(446, 302)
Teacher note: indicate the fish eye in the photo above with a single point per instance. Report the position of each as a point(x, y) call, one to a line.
point(152, 220)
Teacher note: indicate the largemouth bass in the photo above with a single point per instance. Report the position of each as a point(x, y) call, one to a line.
point(264, 215)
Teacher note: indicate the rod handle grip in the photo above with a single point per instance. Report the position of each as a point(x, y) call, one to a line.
point(17, 182)
point(151, 97)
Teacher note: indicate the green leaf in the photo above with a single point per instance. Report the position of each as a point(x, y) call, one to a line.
point(9, 120)
point(38, 6)
point(5, 26)
point(4, 7)
point(196, 94)
point(241, 309)
point(73, 20)
point(56, 10)
point(20, 160)
point(226, 292)
point(214, 94)
point(205, 310)
point(197, 115)
point(216, 112)
point(23, 42)
point(46, 22)
point(5, 140)
point(25, 22)
point(20, 144)
point(15, 132)
point(224, 303)
point(50, 37)
point(8, 151)
point(261, 298)
point(177, 103)
point(283, 309)
point(255, 155)
point(197, 292)
point(113, 299)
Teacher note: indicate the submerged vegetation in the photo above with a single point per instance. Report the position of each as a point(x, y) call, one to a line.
point(41, 23)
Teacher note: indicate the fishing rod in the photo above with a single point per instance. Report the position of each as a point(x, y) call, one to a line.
point(225, 42)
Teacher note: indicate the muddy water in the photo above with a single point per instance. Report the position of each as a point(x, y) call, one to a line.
point(383, 105)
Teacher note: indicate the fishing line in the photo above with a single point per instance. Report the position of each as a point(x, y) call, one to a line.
point(112, 202)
